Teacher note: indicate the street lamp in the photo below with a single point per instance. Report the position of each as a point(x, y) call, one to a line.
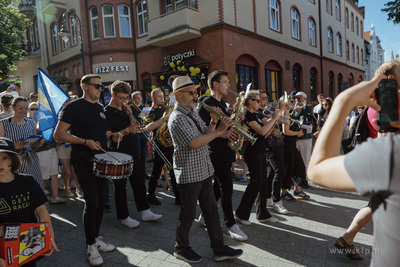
point(64, 34)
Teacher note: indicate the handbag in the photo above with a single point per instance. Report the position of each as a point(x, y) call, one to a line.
point(358, 134)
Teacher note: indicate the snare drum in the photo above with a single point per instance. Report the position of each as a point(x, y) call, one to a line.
point(105, 166)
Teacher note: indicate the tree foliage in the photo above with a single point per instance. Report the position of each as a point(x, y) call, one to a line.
point(13, 25)
point(393, 10)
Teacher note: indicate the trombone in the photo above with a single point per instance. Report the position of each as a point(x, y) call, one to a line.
point(292, 121)
point(146, 133)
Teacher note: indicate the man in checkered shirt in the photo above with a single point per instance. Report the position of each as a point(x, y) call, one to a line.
point(194, 171)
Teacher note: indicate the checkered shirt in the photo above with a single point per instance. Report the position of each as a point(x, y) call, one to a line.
point(190, 165)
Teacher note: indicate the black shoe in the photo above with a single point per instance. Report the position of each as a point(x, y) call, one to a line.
point(153, 200)
point(107, 208)
point(228, 253)
point(188, 255)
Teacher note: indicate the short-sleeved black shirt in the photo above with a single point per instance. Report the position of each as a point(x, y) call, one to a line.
point(87, 121)
point(260, 144)
point(19, 199)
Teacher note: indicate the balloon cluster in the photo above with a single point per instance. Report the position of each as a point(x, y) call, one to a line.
point(178, 65)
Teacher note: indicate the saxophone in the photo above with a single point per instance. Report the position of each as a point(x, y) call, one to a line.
point(238, 142)
point(162, 134)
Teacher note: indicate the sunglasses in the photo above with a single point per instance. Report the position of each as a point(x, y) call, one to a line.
point(98, 86)
point(191, 92)
point(325, 105)
point(34, 109)
point(34, 96)
point(258, 100)
point(122, 98)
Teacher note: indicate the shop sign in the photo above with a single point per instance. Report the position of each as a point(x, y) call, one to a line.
point(106, 69)
point(181, 56)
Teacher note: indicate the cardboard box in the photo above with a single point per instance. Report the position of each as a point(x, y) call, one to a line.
point(22, 242)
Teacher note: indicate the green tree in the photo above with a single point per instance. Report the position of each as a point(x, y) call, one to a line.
point(393, 10)
point(12, 35)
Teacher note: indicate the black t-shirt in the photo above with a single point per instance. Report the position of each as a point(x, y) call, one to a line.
point(158, 114)
point(218, 145)
point(118, 120)
point(260, 144)
point(87, 121)
point(19, 199)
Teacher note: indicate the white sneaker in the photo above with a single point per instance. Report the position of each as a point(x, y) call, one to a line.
point(279, 208)
point(269, 220)
point(93, 255)
point(102, 246)
point(244, 222)
point(236, 233)
point(61, 184)
point(201, 220)
point(148, 215)
point(270, 203)
point(57, 200)
point(130, 223)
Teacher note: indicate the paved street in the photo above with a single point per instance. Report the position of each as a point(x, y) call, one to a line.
point(304, 237)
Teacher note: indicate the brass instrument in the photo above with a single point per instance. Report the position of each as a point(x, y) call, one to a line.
point(146, 120)
point(147, 133)
point(162, 134)
point(292, 121)
point(238, 142)
point(236, 126)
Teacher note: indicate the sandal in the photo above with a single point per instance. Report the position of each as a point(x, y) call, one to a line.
point(160, 185)
point(170, 188)
point(348, 249)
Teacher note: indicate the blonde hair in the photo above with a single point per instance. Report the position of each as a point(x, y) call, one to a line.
point(389, 68)
point(250, 96)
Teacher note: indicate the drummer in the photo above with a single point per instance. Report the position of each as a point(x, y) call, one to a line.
point(87, 123)
point(120, 127)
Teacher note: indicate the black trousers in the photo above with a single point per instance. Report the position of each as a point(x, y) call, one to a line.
point(94, 190)
point(138, 186)
point(256, 190)
point(157, 168)
point(223, 184)
point(141, 146)
point(203, 192)
point(295, 169)
point(276, 159)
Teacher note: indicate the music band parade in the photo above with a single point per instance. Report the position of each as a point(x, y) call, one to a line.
point(196, 139)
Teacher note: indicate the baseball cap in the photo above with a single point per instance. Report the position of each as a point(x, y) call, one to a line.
point(293, 93)
point(301, 94)
point(7, 146)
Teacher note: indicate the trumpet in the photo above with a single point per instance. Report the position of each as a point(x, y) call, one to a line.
point(147, 134)
point(236, 126)
point(292, 121)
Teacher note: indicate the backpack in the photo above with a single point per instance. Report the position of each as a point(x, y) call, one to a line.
point(358, 133)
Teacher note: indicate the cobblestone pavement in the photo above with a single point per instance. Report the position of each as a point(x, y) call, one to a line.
point(304, 237)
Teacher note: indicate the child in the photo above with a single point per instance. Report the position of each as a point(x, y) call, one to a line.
point(21, 193)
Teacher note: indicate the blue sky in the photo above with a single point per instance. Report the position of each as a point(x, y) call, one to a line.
point(388, 33)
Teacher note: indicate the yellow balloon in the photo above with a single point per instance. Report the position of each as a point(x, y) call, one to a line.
point(173, 69)
point(192, 74)
point(177, 63)
point(179, 68)
point(162, 77)
point(208, 92)
point(153, 87)
point(172, 64)
point(197, 70)
point(191, 69)
point(183, 68)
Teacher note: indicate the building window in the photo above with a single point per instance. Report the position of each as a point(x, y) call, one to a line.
point(108, 21)
point(313, 84)
point(362, 57)
point(352, 52)
point(95, 23)
point(142, 17)
point(296, 77)
point(347, 50)
point(358, 55)
point(64, 43)
point(312, 1)
point(330, 40)
point(179, 4)
point(36, 33)
point(124, 21)
point(246, 75)
point(31, 39)
point(329, 6)
point(54, 32)
point(357, 26)
point(338, 44)
point(337, 9)
point(311, 32)
point(361, 29)
point(339, 82)
point(274, 15)
point(74, 33)
point(295, 24)
point(352, 21)
point(273, 76)
point(330, 84)
point(168, 6)
point(192, 3)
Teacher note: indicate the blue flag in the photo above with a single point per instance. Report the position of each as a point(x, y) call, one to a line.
point(51, 99)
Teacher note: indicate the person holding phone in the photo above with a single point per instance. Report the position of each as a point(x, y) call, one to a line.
point(372, 168)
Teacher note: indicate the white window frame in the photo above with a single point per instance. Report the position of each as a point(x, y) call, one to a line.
point(74, 32)
point(54, 31)
point(192, 3)
point(295, 22)
point(179, 2)
point(105, 16)
point(329, 6)
point(92, 20)
point(274, 15)
point(337, 8)
point(330, 39)
point(168, 6)
point(142, 26)
point(311, 32)
point(124, 16)
point(338, 44)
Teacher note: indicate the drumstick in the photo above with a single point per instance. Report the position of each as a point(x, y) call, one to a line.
point(118, 141)
point(109, 154)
